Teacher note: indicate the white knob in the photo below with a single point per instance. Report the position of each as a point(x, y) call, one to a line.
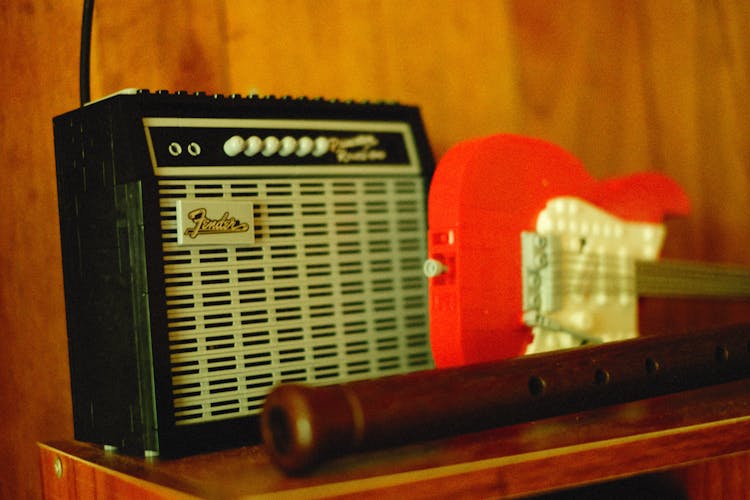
point(254, 145)
point(271, 145)
point(322, 144)
point(432, 268)
point(234, 145)
point(288, 146)
point(305, 146)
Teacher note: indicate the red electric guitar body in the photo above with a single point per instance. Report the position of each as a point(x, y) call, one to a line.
point(484, 194)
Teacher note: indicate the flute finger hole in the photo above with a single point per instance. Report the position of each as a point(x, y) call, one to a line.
point(721, 354)
point(652, 366)
point(537, 385)
point(601, 376)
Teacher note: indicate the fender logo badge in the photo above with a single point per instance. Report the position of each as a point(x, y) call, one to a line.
point(198, 224)
point(206, 225)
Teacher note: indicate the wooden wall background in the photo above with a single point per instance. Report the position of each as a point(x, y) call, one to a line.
point(624, 85)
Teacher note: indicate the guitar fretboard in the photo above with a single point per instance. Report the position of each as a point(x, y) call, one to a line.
point(691, 279)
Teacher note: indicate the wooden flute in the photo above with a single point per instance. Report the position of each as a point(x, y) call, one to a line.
point(303, 426)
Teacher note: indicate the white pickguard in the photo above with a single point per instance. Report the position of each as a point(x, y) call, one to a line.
point(588, 290)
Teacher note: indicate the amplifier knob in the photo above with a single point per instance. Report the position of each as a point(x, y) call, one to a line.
point(234, 145)
point(271, 145)
point(254, 145)
point(322, 144)
point(305, 146)
point(288, 146)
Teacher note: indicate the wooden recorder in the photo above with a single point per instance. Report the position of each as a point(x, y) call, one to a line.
point(304, 426)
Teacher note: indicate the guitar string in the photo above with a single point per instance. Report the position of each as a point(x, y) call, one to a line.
point(601, 274)
point(668, 265)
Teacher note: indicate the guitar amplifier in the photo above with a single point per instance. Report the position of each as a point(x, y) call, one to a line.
point(215, 246)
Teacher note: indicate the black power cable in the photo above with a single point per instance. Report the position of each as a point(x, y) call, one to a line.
point(85, 59)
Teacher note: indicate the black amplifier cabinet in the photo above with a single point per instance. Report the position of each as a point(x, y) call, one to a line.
point(216, 246)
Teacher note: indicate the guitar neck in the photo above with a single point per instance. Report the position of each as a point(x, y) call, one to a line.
point(691, 279)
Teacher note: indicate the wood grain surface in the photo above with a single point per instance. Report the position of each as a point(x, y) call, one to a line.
point(624, 85)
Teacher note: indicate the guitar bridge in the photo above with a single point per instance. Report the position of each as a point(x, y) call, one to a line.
point(541, 289)
point(540, 272)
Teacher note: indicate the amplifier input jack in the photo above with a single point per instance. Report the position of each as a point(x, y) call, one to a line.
point(175, 149)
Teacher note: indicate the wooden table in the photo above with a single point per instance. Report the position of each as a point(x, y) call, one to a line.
point(680, 436)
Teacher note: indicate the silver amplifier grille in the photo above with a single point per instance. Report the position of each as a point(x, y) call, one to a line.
point(330, 291)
